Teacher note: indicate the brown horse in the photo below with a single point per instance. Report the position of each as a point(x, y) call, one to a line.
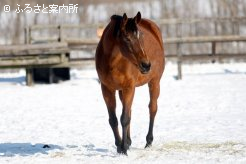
point(129, 54)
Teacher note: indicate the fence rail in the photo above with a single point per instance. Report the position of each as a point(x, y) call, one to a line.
point(179, 57)
point(200, 20)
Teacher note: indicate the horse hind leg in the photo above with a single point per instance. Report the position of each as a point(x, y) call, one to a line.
point(109, 98)
point(154, 91)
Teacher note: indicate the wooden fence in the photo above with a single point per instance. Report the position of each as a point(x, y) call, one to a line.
point(211, 54)
point(179, 40)
point(55, 51)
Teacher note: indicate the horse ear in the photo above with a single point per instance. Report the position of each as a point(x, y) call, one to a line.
point(124, 21)
point(124, 17)
point(137, 18)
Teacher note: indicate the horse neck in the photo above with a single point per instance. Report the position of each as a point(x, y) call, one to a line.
point(109, 40)
point(111, 50)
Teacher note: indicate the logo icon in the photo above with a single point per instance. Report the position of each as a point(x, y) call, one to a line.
point(6, 8)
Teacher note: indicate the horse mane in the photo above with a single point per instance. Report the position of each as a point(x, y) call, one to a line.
point(117, 19)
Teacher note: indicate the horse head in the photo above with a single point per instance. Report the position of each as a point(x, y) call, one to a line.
point(130, 41)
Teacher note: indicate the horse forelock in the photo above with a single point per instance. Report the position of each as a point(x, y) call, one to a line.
point(130, 25)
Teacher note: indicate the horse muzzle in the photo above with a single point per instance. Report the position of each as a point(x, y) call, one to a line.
point(144, 67)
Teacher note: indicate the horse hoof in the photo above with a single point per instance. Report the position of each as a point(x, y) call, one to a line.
point(127, 147)
point(148, 145)
point(121, 151)
point(124, 153)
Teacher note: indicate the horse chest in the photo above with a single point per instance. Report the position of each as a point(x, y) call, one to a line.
point(116, 78)
point(119, 78)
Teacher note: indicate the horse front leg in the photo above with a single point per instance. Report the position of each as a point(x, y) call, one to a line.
point(129, 141)
point(109, 98)
point(127, 98)
point(154, 91)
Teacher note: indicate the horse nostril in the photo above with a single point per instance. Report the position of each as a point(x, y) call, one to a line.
point(146, 66)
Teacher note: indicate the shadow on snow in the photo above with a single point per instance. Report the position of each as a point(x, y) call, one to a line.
point(19, 80)
point(25, 149)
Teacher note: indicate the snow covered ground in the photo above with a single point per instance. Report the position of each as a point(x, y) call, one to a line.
point(201, 119)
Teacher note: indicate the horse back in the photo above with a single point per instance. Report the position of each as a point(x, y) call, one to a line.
point(153, 29)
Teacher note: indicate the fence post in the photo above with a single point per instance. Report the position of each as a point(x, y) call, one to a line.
point(29, 76)
point(60, 37)
point(213, 48)
point(236, 31)
point(26, 34)
point(29, 71)
point(179, 52)
point(213, 53)
point(179, 62)
point(29, 41)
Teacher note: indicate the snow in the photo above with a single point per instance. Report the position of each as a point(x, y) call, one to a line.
point(201, 119)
